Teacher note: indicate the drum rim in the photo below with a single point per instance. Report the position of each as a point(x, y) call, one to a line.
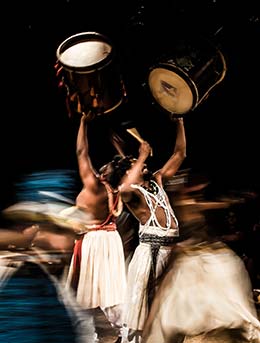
point(79, 38)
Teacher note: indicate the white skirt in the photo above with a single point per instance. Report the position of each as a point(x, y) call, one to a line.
point(136, 307)
point(102, 278)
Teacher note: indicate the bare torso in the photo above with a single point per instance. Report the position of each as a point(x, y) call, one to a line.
point(94, 204)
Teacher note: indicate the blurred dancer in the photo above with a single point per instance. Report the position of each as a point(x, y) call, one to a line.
point(205, 294)
point(32, 263)
point(143, 194)
point(17, 239)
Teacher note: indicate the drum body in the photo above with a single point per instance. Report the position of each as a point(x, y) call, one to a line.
point(180, 80)
point(90, 71)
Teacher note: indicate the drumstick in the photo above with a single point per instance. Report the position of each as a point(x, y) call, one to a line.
point(133, 131)
point(135, 134)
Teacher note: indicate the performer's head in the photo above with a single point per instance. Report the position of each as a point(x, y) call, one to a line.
point(113, 171)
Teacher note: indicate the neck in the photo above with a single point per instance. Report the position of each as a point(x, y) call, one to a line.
point(109, 188)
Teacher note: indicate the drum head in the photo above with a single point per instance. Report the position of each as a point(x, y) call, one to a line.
point(84, 51)
point(171, 91)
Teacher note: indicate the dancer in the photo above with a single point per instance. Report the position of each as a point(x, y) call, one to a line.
point(143, 194)
point(97, 270)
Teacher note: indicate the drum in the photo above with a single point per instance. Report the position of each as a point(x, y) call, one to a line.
point(89, 70)
point(180, 80)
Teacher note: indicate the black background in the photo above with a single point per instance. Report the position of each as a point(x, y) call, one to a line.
point(37, 133)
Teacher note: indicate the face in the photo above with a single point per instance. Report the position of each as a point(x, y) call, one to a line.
point(106, 171)
point(144, 170)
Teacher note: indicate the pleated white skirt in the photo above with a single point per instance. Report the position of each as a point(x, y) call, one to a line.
point(102, 278)
point(136, 307)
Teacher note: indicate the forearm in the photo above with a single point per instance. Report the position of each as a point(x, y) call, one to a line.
point(179, 153)
point(180, 143)
point(134, 175)
point(86, 169)
point(82, 142)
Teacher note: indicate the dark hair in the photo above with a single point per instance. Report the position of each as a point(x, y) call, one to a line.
point(120, 166)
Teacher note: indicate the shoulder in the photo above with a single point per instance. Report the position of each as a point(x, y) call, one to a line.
point(157, 177)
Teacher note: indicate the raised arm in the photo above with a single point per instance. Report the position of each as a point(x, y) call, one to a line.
point(179, 154)
point(86, 170)
point(135, 174)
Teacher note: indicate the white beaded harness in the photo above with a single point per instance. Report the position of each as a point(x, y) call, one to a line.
point(154, 201)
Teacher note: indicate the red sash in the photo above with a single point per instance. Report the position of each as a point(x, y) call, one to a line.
point(76, 263)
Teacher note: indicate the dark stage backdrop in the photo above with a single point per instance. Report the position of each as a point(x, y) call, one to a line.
point(222, 132)
point(37, 137)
